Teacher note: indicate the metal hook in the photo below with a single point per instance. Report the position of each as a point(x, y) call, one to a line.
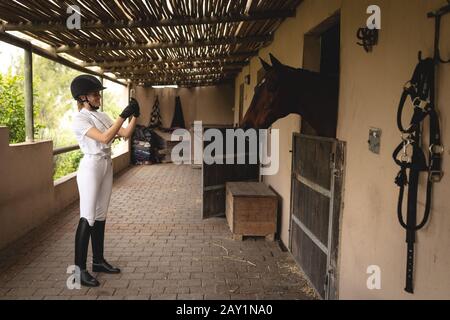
point(420, 56)
point(437, 15)
point(443, 61)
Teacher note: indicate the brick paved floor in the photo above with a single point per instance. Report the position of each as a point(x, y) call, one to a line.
point(155, 234)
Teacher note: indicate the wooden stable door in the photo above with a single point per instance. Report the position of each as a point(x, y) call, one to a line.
point(214, 177)
point(316, 189)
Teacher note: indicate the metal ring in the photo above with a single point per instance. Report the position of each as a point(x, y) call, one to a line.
point(407, 85)
point(422, 104)
point(436, 176)
point(405, 158)
point(440, 149)
point(405, 134)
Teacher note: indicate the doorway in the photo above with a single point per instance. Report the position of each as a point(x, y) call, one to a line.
point(322, 54)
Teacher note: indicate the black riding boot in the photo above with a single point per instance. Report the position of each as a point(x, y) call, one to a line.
point(99, 264)
point(81, 248)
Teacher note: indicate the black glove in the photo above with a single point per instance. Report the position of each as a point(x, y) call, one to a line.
point(135, 104)
point(127, 112)
point(131, 109)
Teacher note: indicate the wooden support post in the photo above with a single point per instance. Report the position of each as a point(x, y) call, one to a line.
point(101, 93)
point(29, 119)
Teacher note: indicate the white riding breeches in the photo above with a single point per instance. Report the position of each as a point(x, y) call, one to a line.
point(95, 180)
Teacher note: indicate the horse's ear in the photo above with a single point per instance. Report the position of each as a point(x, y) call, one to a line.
point(265, 65)
point(275, 62)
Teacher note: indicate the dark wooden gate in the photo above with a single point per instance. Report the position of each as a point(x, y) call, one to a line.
point(215, 176)
point(316, 192)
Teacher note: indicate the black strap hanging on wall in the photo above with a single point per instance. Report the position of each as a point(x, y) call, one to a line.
point(409, 155)
point(178, 118)
point(155, 116)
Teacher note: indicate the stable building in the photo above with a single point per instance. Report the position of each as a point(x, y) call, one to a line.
point(337, 221)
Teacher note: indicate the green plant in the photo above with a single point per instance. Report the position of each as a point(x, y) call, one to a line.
point(12, 107)
point(66, 163)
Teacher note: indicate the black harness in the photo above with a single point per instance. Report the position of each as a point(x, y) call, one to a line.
point(410, 153)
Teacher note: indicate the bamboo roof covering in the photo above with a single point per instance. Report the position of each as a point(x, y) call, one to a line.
point(150, 42)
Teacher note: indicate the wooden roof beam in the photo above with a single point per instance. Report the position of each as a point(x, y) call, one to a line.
point(146, 61)
point(186, 77)
point(147, 23)
point(188, 83)
point(181, 76)
point(107, 46)
point(175, 80)
point(178, 76)
point(230, 65)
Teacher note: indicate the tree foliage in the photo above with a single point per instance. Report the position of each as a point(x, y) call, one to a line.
point(12, 107)
point(12, 113)
point(66, 163)
point(54, 107)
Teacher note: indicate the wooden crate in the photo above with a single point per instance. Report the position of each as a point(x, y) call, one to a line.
point(251, 209)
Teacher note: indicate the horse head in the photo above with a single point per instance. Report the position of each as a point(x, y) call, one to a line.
point(285, 90)
point(272, 97)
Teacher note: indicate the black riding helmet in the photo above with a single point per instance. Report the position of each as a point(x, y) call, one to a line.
point(84, 84)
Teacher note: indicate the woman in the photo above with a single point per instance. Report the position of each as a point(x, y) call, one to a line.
point(95, 132)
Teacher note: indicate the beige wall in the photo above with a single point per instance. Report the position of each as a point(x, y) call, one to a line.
point(65, 192)
point(28, 197)
point(370, 89)
point(212, 105)
point(26, 194)
point(288, 48)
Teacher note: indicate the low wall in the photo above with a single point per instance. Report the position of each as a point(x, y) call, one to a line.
point(29, 196)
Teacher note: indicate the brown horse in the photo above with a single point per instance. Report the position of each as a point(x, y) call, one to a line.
point(285, 90)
